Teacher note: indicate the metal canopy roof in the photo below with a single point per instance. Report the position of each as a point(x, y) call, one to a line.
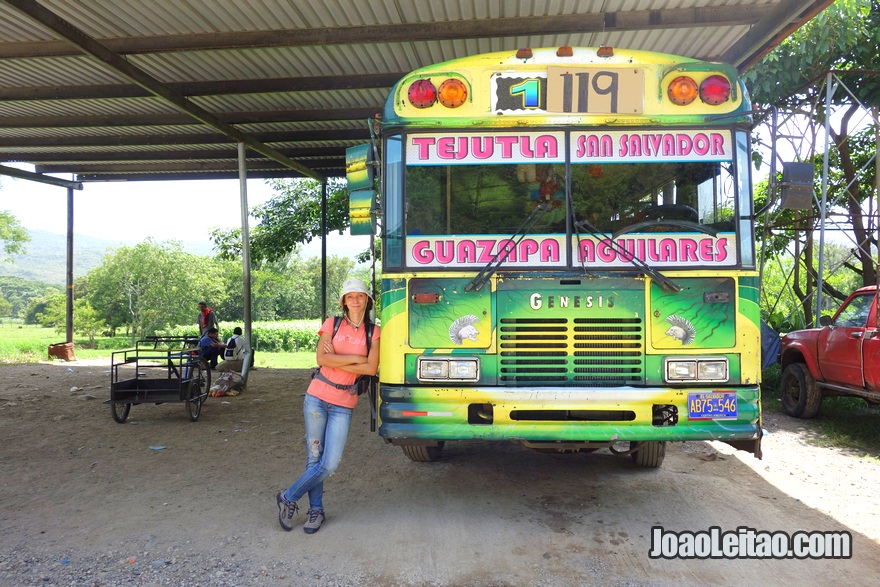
point(166, 89)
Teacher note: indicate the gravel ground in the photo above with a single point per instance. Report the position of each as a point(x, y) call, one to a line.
point(159, 500)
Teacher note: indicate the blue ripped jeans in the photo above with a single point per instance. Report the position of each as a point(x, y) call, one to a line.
point(326, 432)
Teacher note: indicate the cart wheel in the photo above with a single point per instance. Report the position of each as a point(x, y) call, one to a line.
point(194, 400)
point(120, 412)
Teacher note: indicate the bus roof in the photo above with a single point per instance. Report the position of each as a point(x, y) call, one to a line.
point(571, 85)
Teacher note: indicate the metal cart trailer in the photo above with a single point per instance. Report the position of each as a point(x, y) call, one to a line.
point(158, 371)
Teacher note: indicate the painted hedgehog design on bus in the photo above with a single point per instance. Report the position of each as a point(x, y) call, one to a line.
point(463, 328)
point(681, 329)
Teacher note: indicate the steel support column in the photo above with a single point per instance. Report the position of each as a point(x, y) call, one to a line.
point(829, 93)
point(69, 312)
point(324, 249)
point(245, 257)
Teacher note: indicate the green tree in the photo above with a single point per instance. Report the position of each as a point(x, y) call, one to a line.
point(338, 270)
point(227, 274)
point(12, 234)
point(151, 286)
point(5, 306)
point(86, 320)
point(288, 290)
point(20, 291)
point(37, 305)
point(780, 305)
point(53, 311)
point(845, 38)
point(284, 292)
point(290, 219)
point(840, 37)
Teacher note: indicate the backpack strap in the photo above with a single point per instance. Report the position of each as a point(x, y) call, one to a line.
point(316, 374)
point(369, 332)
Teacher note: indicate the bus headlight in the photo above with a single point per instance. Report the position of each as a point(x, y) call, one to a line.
point(449, 369)
point(696, 369)
point(712, 370)
point(433, 369)
point(464, 370)
point(681, 370)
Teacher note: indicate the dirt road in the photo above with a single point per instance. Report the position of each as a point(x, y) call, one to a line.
point(163, 501)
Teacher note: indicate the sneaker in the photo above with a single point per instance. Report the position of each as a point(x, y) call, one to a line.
point(313, 524)
point(286, 511)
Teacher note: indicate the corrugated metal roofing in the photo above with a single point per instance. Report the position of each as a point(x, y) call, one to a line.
point(298, 76)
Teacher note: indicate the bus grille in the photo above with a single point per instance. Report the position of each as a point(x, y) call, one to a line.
point(577, 352)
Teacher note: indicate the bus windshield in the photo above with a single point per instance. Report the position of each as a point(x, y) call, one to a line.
point(496, 199)
point(670, 214)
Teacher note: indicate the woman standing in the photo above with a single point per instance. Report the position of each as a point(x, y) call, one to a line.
point(330, 401)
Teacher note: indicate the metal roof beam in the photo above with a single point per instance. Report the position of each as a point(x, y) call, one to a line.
point(720, 16)
point(22, 174)
point(99, 156)
point(91, 47)
point(182, 166)
point(221, 120)
point(282, 174)
point(125, 140)
point(206, 88)
point(766, 35)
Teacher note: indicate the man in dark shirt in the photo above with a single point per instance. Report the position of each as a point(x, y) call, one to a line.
point(211, 347)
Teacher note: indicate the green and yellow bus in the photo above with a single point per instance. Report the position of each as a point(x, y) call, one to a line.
point(568, 254)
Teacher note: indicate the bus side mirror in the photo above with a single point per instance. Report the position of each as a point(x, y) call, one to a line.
point(797, 186)
point(362, 205)
point(359, 165)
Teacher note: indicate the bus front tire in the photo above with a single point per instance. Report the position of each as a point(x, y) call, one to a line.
point(423, 453)
point(649, 454)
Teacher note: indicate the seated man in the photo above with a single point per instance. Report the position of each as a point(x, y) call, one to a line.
point(210, 347)
point(233, 356)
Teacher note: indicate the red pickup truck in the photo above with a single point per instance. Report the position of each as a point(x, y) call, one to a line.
point(840, 358)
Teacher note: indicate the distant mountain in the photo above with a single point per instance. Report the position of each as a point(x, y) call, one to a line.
point(46, 256)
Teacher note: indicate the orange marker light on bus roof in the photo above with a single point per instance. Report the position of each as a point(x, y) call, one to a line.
point(452, 93)
point(422, 93)
point(682, 90)
point(715, 90)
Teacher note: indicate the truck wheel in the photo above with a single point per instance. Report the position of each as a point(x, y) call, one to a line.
point(800, 394)
point(423, 454)
point(650, 454)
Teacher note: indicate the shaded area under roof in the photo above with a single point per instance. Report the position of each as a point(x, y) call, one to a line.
point(125, 89)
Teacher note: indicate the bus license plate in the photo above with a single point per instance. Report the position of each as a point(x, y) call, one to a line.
point(712, 406)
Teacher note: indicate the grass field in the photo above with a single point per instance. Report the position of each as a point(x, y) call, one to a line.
point(25, 343)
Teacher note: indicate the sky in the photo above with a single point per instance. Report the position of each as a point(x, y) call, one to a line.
point(129, 212)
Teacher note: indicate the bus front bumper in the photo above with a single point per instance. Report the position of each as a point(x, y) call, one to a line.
point(567, 414)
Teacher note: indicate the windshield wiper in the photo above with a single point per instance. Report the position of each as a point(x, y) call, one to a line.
point(492, 266)
point(663, 281)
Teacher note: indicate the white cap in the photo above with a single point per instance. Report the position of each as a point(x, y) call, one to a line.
point(354, 285)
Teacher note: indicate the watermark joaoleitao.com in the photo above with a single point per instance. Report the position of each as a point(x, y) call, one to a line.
point(748, 543)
